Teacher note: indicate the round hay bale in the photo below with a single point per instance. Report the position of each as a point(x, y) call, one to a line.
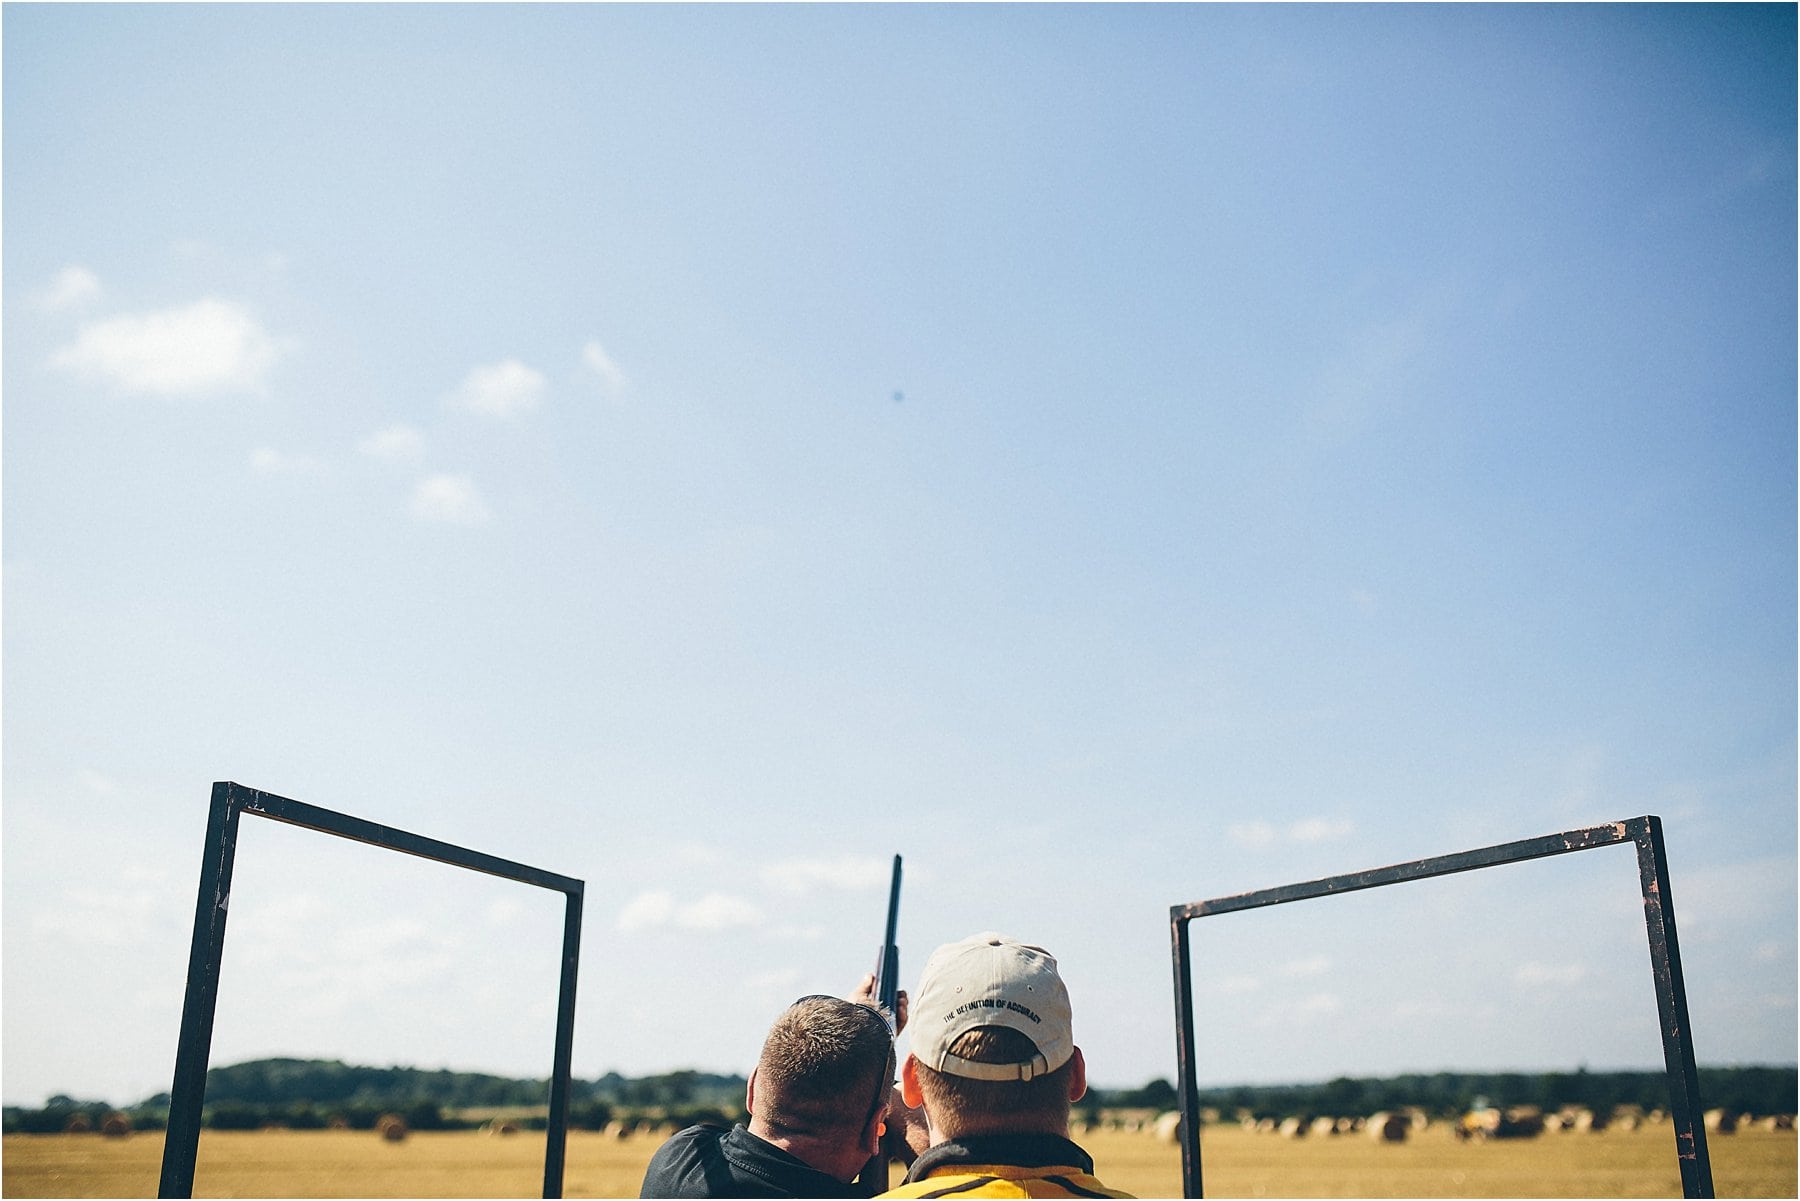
point(116, 1125)
point(1719, 1121)
point(1389, 1127)
point(1322, 1127)
point(337, 1121)
point(1292, 1128)
point(392, 1127)
point(619, 1130)
point(1168, 1127)
point(78, 1123)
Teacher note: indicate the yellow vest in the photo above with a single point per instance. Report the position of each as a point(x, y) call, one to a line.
point(1004, 1165)
point(1000, 1180)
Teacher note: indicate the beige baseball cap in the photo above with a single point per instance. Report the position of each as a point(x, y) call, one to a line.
point(990, 980)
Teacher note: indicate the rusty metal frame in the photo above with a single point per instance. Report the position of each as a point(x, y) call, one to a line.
point(1665, 970)
point(182, 1142)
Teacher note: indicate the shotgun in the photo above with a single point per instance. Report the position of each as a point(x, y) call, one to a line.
point(874, 1178)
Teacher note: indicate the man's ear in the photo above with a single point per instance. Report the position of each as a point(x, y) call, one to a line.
point(871, 1135)
point(1077, 1078)
point(909, 1083)
point(750, 1093)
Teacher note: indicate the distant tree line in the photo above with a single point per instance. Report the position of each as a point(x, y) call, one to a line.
point(314, 1094)
point(310, 1094)
point(1758, 1090)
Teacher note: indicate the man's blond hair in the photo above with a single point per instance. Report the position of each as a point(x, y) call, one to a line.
point(959, 1105)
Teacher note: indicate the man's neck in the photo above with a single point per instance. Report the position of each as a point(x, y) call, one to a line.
point(952, 1134)
point(827, 1155)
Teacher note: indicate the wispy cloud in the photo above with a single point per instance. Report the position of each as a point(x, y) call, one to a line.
point(715, 911)
point(395, 443)
point(1251, 834)
point(267, 461)
point(503, 389)
point(72, 288)
point(1311, 829)
point(781, 981)
point(696, 854)
point(596, 360)
point(1357, 386)
point(206, 348)
point(1542, 975)
point(450, 499)
point(1316, 965)
point(505, 912)
point(1319, 829)
point(647, 911)
point(849, 873)
point(97, 783)
point(1301, 1011)
point(104, 916)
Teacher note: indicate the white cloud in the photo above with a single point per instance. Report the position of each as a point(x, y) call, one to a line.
point(506, 911)
point(97, 783)
point(267, 461)
point(782, 980)
point(452, 499)
point(396, 443)
point(1252, 834)
point(1317, 965)
point(1318, 829)
point(209, 347)
point(103, 916)
point(1539, 975)
point(596, 360)
point(72, 288)
point(850, 873)
point(1321, 1004)
point(1312, 829)
point(715, 911)
point(1300, 1011)
point(501, 390)
point(647, 911)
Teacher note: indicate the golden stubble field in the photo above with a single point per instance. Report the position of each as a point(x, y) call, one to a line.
point(1639, 1163)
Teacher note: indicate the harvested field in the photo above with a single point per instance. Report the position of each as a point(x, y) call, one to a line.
point(279, 1163)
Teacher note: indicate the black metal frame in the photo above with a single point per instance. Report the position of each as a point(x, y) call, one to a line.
point(1665, 969)
point(182, 1142)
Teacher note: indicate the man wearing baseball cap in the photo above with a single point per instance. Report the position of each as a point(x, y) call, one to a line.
point(995, 1067)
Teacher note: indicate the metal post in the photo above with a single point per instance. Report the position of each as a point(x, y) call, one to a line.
point(558, 1132)
point(181, 1143)
point(1665, 964)
point(1184, 1056)
point(1671, 1006)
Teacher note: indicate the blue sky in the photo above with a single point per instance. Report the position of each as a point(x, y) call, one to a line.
point(1112, 456)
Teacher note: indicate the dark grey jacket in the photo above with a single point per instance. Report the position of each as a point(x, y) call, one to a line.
point(711, 1161)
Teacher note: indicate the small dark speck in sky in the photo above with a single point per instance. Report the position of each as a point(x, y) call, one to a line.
point(899, 396)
